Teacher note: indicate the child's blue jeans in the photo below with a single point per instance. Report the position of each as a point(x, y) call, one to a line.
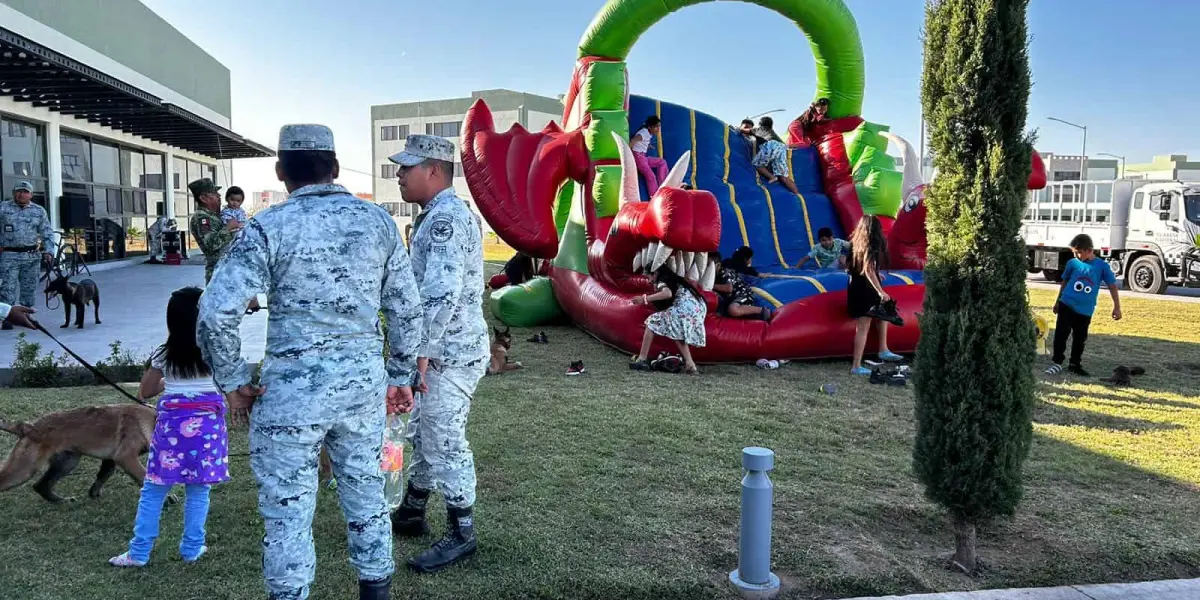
point(145, 526)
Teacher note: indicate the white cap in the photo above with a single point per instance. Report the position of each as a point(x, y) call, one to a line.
point(305, 137)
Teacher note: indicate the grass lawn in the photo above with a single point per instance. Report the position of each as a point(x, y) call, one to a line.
point(621, 485)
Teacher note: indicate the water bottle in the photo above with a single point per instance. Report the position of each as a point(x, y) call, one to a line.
point(392, 461)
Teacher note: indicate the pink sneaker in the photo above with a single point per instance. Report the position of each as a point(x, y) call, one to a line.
point(125, 561)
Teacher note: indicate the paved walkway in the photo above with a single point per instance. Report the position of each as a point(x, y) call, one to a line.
point(1177, 589)
point(133, 309)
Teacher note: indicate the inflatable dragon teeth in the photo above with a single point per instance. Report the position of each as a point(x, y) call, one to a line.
point(571, 195)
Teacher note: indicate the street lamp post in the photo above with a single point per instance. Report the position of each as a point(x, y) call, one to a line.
point(1083, 156)
point(1115, 156)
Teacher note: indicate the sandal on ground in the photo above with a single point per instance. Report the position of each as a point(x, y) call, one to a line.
point(639, 365)
point(124, 560)
point(889, 356)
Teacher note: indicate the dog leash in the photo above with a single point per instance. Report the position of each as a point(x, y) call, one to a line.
point(88, 365)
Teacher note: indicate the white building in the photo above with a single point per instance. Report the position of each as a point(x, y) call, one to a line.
point(392, 123)
point(109, 111)
point(1074, 197)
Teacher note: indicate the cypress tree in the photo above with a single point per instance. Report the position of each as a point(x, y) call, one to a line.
point(974, 379)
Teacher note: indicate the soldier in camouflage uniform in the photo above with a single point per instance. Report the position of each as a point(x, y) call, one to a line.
point(329, 263)
point(22, 223)
point(205, 224)
point(447, 253)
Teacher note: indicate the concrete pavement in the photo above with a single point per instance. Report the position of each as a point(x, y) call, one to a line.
point(133, 310)
point(1175, 589)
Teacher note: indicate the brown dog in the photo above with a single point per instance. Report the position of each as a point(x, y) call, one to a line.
point(117, 434)
point(500, 348)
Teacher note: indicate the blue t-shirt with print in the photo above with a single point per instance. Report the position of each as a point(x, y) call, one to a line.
point(1084, 279)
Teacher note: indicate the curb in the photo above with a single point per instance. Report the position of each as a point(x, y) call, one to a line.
point(1169, 589)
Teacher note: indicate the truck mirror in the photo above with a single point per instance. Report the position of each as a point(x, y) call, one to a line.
point(1163, 216)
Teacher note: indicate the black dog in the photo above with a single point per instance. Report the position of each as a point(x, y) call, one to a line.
point(77, 294)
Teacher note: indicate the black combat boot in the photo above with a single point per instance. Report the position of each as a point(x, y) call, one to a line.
point(409, 519)
point(457, 544)
point(374, 590)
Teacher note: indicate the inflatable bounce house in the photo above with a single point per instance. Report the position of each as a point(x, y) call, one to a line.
point(571, 195)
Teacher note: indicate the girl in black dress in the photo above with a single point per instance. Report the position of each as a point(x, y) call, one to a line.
point(868, 251)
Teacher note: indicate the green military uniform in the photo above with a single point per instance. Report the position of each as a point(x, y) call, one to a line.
point(207, 229)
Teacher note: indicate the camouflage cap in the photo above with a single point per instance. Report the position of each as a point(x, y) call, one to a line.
point(203, 186)
point(419, 148)
point(23, 186)
point(305, 137)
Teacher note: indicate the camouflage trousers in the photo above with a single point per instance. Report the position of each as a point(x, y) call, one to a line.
point(209, 267)
point(284, 461)
point(19, 272)
point(437, 431)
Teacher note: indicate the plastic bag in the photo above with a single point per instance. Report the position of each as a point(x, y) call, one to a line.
point(392, 461)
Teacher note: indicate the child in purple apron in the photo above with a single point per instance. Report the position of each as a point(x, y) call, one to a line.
point(190, 445)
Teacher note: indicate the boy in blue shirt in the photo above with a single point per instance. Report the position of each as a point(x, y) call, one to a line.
point(1077, 302)
point(829, 252)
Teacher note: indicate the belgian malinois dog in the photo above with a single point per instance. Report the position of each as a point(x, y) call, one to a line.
point(117, 434)
point(77, 295)
point(499, 362)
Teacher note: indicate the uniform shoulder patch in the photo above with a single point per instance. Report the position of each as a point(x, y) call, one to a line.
point(441, 229)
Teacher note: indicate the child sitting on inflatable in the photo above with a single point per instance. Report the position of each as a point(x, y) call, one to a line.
point(771, 160)
point(734, 296)
point(829, 252)
point(652, 168)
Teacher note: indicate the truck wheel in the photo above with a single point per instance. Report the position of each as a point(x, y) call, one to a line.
point(1146, 275)
point(1052, 275)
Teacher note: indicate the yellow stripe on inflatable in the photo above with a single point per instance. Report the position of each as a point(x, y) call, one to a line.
point(905, 278)
point(774, 233)
point(733, 195)
point(803, 202)
point(814, 282)
point(768, 297)
point(693, 114)
point(662, 147)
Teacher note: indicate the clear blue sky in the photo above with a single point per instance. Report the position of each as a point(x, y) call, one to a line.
point(1118, 66)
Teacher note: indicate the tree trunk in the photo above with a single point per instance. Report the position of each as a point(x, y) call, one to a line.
point(964, 545)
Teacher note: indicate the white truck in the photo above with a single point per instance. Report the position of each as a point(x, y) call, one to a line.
point(1147, 230)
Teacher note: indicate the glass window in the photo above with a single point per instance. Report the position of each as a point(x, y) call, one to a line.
point(182, 208)
point(127, 201)
point(113, 198)
point(136, 241)
point(1139, 199)
point(99, 201)
point(154, 203)
point(210, 172)
point(105, 164)
point(24, 149)
point(139, 202)
point(76, 158)
point(388, 171)
point(179, 169)
point(133, 168)
point(153, 177)
point(388, 133)
point(446, 129)
point(194, 172)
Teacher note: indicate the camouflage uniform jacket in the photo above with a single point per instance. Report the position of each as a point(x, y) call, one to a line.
point(329, 263)
point(22, 227)
point(447, 255)
point(210, 234)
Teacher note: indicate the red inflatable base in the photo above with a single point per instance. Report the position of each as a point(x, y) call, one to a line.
point(816, 327)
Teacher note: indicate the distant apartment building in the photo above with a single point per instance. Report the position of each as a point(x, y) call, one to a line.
point(1167, 166)
point(1087, 199)
point(392, 123)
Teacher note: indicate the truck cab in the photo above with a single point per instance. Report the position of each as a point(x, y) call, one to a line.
point(1147, 230)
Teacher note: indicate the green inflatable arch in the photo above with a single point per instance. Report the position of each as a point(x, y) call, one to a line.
point(828, 24)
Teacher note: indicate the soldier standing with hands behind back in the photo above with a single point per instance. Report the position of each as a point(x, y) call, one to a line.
point(22, 223)
point(205, 224)
point(329, 263)
point(447, 255)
